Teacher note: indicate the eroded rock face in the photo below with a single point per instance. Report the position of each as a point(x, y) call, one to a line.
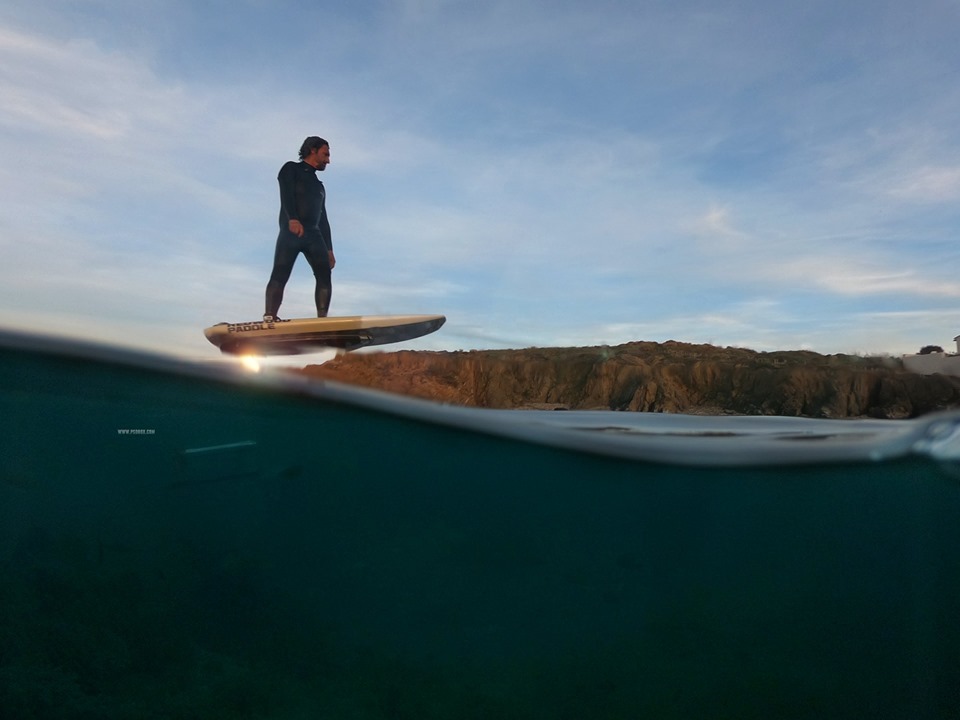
point(654, 377)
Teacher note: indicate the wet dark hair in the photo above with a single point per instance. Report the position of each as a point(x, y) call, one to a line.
point(310, 143)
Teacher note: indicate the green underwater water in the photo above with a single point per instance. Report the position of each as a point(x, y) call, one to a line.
point(254, 554)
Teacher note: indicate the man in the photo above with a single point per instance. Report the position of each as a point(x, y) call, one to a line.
point(304, 227)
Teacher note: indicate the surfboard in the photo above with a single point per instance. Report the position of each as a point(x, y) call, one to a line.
point(305, 335)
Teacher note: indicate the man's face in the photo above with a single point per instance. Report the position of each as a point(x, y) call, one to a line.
point(319, 157)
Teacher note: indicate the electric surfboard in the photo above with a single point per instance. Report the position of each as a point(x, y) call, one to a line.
point(305, 335)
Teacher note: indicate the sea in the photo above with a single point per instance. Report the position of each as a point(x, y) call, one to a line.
point(182, 540)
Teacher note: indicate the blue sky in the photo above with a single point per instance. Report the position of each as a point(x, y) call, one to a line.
point(763, 175)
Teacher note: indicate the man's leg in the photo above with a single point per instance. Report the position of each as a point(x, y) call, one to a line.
point(284, 257)
point(322, 295)
point(316, 254)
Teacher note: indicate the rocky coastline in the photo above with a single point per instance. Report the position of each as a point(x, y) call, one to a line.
point(670, 377)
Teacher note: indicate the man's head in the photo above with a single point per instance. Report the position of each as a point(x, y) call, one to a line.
point(316, 152)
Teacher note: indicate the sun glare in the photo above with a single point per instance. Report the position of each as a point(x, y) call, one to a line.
point(251, 363)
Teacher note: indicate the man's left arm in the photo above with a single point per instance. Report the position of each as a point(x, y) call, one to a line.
point(327, 237)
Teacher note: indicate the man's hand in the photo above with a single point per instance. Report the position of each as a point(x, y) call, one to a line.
point(333, 260)
point(296, 227)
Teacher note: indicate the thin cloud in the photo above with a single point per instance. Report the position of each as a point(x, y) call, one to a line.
point(930, 184)
point(851, 277)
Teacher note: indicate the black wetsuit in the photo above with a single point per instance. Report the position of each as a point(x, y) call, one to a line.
point(303, 198)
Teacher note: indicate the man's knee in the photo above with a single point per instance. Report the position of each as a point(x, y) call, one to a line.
point(322, 274)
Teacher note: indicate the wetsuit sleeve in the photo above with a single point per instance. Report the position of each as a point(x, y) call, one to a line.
point(288, 196)
point(325, 230)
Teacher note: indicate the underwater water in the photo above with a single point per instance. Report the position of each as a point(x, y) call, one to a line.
point(183, 542)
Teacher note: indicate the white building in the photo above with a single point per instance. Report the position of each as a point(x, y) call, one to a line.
point(934, 363)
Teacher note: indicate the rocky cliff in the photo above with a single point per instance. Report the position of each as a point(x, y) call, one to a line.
point(654, 377)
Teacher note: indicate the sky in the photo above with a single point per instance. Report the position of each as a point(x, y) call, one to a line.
point(773, 176)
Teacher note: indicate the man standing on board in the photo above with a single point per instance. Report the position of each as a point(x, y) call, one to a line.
point(304, 227)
